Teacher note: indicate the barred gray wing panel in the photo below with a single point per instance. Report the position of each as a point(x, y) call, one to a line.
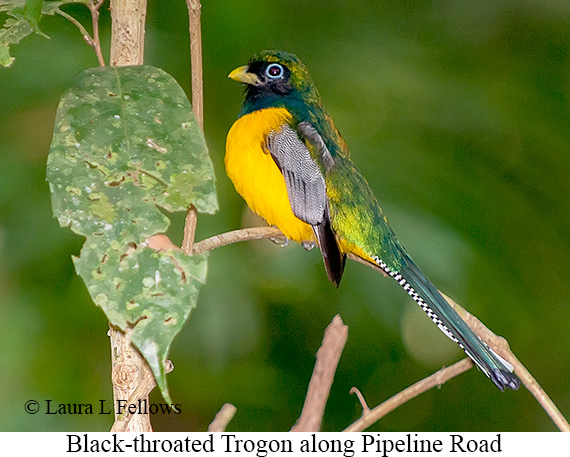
point(305, 183)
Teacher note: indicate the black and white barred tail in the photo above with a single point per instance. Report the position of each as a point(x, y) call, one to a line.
point(424, 293)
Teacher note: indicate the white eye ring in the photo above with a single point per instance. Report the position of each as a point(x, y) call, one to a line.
point(274, 71)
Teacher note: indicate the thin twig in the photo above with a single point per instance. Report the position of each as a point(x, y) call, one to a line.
point(92, 41)
point(189, 229)
point(365, 408)
point(194, 12)
point(94, 8)
point(501, 347)
point(222, 418)
point(328, 356)
point(497, 343)
point(194, 8)
point(161, 242)
point(539, 394)
point(79, 25)
point(436, 379)
point(223, 239)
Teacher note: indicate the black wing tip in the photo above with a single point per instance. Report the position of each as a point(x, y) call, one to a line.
point(333, 257)
point(335, 274)
point(504, 379)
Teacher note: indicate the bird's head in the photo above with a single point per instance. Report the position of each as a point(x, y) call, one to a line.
point(276, 79)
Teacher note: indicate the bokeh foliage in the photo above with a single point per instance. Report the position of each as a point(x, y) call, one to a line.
point(456, 112)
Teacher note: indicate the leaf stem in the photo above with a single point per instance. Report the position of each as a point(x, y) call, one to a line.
point(79, 25)
point(93, 41)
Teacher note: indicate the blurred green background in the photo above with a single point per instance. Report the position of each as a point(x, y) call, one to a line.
point(458, 114)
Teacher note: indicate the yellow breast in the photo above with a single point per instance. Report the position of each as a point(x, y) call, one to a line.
point(255, 175)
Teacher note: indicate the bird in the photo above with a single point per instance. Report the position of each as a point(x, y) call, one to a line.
point(289, 162)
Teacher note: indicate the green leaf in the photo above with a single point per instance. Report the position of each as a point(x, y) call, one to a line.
point(24, 20)
point(126, 142)
point(12, 32)
point(33, 13)
point(5, 58)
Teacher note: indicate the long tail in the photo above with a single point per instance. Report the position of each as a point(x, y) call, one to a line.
point(414, 282)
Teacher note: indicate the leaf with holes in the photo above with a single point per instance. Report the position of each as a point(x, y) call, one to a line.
point(125, 143)
point(23, 20)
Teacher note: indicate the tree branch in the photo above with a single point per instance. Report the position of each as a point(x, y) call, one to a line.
point(127, 32)
point(79, 25)
point(132, 378)
point(370, 416)
point(189, 230)
point(194, 11)
point(246, 234)
point(94, 42)
point(497, 343)
point(130, 370)
point(142, 391)
point(328, 356)
point(195, 27)
point(501, 347)
point(222, 418)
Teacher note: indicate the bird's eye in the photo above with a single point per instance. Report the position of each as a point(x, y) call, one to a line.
point(274, 71)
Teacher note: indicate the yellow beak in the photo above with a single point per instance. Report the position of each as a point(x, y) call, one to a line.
point(241, 75)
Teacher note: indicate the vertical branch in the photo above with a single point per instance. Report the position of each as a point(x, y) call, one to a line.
point(189, 230)
point(127, 32)
point(132, 380)
point(94, 8)
point(221, 420)
point(194, 8)
point(130, 371)
point(328, 356)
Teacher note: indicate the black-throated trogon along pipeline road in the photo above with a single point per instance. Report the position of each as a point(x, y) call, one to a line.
point(288, 161)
